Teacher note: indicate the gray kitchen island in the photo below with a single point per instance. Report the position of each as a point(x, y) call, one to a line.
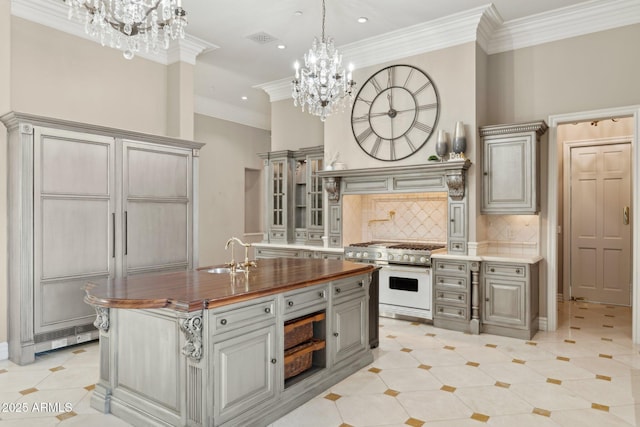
point(213, 348)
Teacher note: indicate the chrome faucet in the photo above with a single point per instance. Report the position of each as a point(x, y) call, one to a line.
point(233, 265)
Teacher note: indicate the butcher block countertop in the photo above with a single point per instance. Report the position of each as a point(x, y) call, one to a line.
point(194, 290)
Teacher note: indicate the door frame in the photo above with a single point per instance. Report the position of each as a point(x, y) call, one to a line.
point(566, 193)
point(551, 263)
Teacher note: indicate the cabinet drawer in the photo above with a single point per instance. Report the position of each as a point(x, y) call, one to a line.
point(451, 297)
point(329, 255)
point(459, 283)
point(298, 300)
point(227, 320)
point(451, 267)
point(277, 234)
point(301, 235)
point(335, 241)
point(513, 270)
point(315, 236)
point(347, 288)
point(451, 312)
point(277, 253)
point(457, 247)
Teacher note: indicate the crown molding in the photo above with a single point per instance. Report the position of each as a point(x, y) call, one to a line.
point(55, 14)
point(433, 35)
point(485, 26)
point(221, 110)
point(584, 18)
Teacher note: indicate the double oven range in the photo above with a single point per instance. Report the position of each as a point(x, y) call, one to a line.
point(405, 276)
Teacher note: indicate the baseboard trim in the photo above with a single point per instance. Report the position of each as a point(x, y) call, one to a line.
point(4, 350)
point(542, 323)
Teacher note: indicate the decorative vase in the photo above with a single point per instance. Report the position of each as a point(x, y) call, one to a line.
point(459, 139)
point(442, 145)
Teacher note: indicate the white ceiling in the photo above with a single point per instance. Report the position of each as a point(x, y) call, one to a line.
point(234, 65)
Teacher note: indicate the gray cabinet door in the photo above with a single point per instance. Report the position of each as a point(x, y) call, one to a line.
point(350, 332)
point(505, 302)
point(245, 368)
point(157, 205)
point(74, 219)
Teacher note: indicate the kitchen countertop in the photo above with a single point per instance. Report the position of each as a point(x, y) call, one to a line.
point(193, 290)
point(294, 246)
point(490, 257)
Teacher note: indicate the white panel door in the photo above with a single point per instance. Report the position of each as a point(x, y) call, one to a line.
point(600, 198)
point(74, 202)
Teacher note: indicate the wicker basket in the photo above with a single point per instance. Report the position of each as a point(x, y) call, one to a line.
point(300, 330)
point(298, 359)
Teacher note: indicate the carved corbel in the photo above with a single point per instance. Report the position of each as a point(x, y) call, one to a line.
point(102, 318)
point(192, 329)
point(332, 185)
point(455, 183)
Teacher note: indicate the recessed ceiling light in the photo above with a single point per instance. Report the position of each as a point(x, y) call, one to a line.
point(244, 98)
point(363, 19)
point(281, 46)
point(298, 13)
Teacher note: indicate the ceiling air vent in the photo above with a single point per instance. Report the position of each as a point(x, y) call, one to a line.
point(262, 38)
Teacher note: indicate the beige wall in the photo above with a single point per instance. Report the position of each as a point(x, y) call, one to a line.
point(5, 93)
point(292, 129)
point(230, 149)
point(55, 74)
point(584, 73)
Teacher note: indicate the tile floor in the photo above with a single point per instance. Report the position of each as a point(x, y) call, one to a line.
point(587, 373)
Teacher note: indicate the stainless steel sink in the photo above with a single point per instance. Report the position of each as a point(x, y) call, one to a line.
point(223, 270)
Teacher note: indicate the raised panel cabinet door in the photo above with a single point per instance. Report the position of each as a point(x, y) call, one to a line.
point(157, 208)
point(505, 302)
point(74, 224)
point(508, 171)
point(350, 332)
point(244, 368)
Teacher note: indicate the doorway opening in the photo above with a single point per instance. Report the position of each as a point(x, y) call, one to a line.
point(556, 286)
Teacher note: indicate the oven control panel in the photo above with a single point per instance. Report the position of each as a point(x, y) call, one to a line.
point(388, 257)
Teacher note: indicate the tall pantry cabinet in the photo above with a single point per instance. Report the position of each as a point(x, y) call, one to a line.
point(86, 203)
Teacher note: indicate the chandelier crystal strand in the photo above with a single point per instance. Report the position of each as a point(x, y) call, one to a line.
point(131, 25)
point(322, 84)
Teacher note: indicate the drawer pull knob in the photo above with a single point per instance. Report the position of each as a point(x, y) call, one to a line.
point(459, 312)
point(440, 295)
point(441, 265)
point(335, 334)
point(460, 282)
point(361, 283)
point(223, 321)
point(460, 267)
point(267, 310)
point(321, 294)
point(493, 270)
point(460, 297)
point(273, 361)
point(487, 299)
point(441, 280)
point(338, 290)
point(440, 309)
point(290, 303)
point(517, 271)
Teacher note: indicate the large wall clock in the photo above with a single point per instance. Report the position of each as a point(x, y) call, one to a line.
point(395, 112)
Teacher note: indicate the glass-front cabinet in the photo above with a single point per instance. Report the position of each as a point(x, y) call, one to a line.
point(294, 196)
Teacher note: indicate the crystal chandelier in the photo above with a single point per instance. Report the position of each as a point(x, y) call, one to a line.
point(132, 25)
point(322, 83)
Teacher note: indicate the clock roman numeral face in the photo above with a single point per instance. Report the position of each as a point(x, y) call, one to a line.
point(395, 112)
